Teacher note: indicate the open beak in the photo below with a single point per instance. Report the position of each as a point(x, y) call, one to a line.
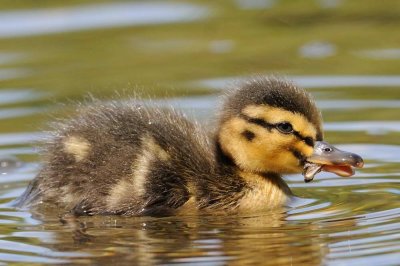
point(330, 159)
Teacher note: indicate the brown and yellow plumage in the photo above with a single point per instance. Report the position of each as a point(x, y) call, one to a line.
point(132, 159)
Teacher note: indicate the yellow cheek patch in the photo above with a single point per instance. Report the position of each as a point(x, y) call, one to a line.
point(276, 115)
point(268, 151)
point(245, 153)
point(256, 148)
point(303, 148)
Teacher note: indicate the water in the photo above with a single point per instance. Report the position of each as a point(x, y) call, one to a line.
point(187, 54)
point(56, 20)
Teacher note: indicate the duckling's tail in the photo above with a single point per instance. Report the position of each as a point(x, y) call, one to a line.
point(29, 197)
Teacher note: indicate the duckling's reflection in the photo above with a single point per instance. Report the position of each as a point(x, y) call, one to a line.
point(264, 239)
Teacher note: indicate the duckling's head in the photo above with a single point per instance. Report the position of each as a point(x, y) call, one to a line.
point(269, 125)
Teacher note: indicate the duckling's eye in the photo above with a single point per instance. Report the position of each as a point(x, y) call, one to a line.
point(285, 127)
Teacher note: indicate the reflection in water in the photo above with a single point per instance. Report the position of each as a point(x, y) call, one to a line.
point(207, 103)
point(334, 220)
point(9, 57)
point(358, 104)
point(330, 3)
point(378, 152)
point(316, 81)
point(8, 163)
point(45, 21)
point(11, 73)
point(317, 50)
point(372, 127)
point(18, 112)
point(311, 231)
point(238, 240)
point(20, 138)
point(11, 96)
point(255, 4)
point(391, 54)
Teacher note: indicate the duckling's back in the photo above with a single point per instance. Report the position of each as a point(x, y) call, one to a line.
point(123, 158)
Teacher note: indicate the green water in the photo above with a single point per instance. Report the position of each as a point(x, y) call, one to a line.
point(185, 53)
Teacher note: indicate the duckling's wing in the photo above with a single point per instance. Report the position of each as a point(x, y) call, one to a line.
point(122, 159)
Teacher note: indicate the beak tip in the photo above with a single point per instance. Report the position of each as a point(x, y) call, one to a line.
point(359, 161)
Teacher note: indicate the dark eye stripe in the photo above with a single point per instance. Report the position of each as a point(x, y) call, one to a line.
point(302, 159)
point(261, 122)
point(307, 140)
point(258, 121)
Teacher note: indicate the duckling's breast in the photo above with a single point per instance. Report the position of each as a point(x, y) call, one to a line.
point(263, 192)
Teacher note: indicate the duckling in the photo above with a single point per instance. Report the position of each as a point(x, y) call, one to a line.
point(120, 158)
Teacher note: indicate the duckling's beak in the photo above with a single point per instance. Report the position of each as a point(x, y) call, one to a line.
point(330, 159)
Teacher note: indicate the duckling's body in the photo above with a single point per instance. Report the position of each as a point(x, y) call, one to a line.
point(135, 160)
point(131, 159)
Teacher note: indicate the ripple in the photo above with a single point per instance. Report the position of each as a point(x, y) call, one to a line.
point(207, 105)
point(18, 216)
point(394, 227)
point(45, 237)
point(6, 58)
point(11, 73)
point(379, 152)
point(372, 127)
point(19, 112)
point(56, 20)
point(364, 242)
point(30, 259)
point(24, 172)
point(21, 138)
point(317, 50)
point(18, 151)
point(391, 54)
point(17, 95)
point(8, 163)
point(309, 208)
point(330, 3)
point(358, 104)
point(381, 259)
point(375, 217)
point(317, 215)
point(341, 182)
point(21, 247)
point(12, 193)
point(313, 81)
point(255, 4)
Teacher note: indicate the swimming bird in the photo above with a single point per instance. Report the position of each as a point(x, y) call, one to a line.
point(133, 159)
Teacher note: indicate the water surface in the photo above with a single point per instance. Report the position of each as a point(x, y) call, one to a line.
point(186, 54)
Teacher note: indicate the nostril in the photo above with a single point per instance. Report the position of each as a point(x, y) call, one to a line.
point(359, 162)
